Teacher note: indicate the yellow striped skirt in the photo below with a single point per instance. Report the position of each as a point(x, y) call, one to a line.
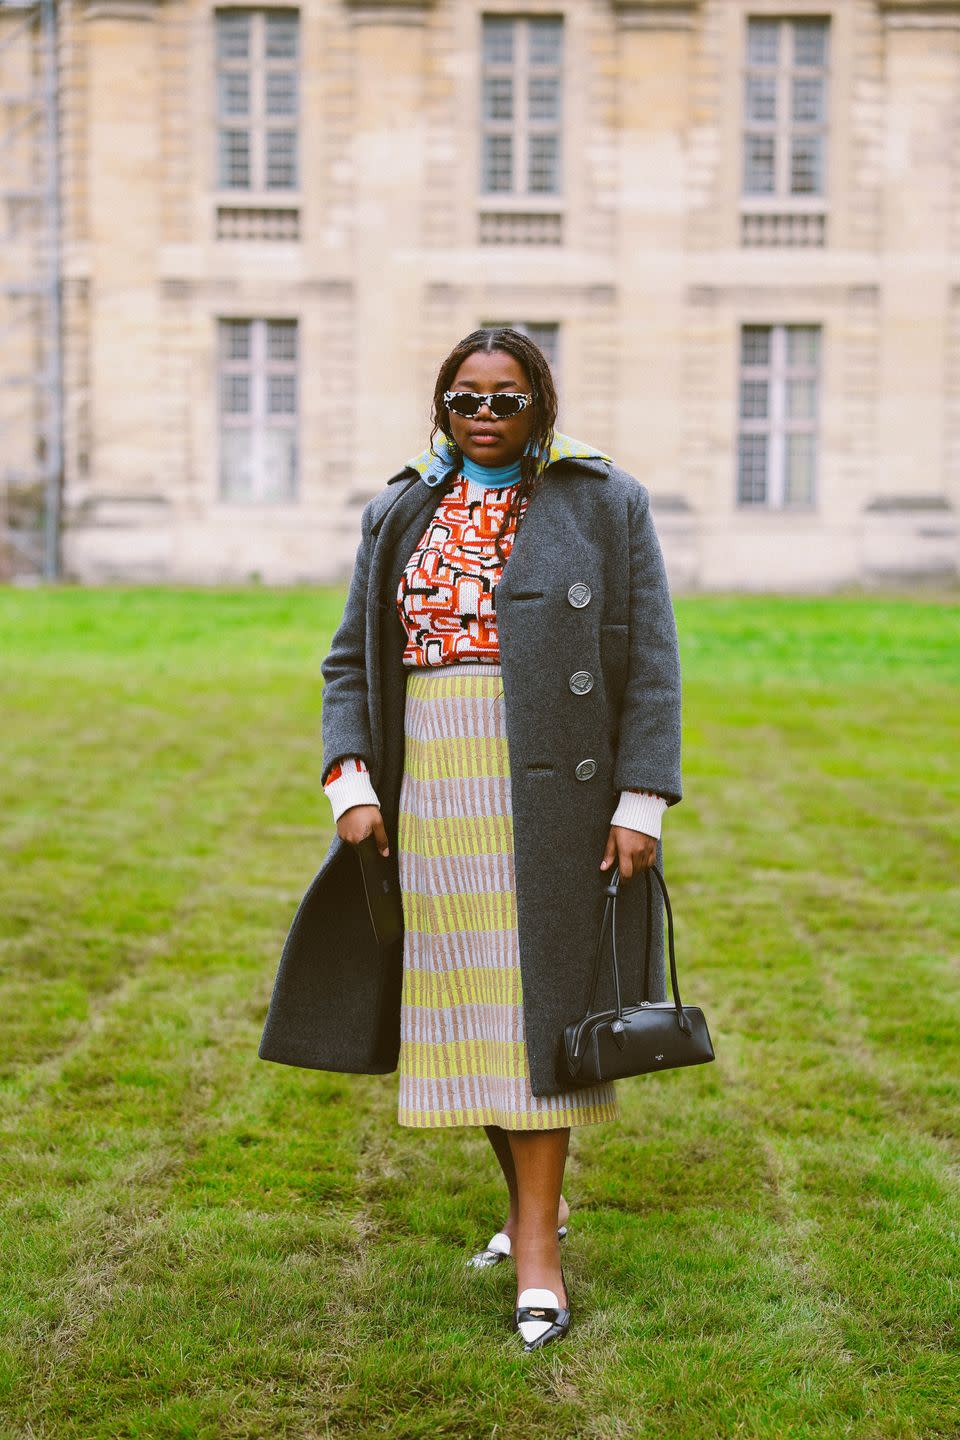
point(463, 1054)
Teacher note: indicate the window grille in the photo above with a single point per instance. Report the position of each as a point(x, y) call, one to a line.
point(258, 384)
point(779, 393)
point(521, 105)
point(785, 107)
point(257, 56)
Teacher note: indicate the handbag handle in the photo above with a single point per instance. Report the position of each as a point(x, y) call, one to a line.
point(612, 890)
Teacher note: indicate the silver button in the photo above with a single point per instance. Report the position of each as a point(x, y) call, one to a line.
point(580, 682)
point(586, 769)
point(579, 594)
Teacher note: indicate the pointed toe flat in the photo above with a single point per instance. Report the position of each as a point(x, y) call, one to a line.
point(497, 1248)
point(539, 1317)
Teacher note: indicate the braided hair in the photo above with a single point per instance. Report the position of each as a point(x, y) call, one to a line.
point(544, 406)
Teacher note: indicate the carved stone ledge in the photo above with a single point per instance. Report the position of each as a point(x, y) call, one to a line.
point(674, 503)
point(172, 288)
point(387, 12)
point(920, 14)
point(656, 14)
point(910, 538)
point(121, 9)
point(888, 504)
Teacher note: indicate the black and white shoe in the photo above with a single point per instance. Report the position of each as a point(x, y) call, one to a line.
point(540, 1318)
point(497, 1248)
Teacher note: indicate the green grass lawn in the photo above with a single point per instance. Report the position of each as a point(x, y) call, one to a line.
point(198, 1244)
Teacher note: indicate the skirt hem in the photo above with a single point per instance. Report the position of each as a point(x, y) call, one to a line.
point(524, 1120)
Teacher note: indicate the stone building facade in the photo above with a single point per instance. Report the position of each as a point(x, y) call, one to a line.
point(733, 223)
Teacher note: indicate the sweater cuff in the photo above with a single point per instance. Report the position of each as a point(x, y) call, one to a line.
point(640, 810)
point(349, 784)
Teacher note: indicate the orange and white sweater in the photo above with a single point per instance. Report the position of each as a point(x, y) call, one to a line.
point(446, 600)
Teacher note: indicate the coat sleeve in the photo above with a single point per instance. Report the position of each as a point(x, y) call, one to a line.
point(648, 745)
point(345, 717)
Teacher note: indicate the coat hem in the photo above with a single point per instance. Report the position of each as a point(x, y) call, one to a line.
point(304, 1063)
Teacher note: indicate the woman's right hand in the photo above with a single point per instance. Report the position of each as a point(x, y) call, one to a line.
point(360, 821)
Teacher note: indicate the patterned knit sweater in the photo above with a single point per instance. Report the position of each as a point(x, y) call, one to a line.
point(446, 601)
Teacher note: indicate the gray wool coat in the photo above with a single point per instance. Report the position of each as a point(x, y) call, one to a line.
point(583, 589)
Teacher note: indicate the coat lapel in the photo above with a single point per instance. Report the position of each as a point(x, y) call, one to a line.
point(397, 533)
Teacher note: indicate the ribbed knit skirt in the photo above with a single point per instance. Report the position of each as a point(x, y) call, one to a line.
point(463, 1053)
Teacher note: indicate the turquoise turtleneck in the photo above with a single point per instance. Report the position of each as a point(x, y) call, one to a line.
point(490, 476)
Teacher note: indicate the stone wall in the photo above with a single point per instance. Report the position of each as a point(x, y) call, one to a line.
point(385, 269)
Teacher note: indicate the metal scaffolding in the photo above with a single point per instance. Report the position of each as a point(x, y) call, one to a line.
point(31, 359)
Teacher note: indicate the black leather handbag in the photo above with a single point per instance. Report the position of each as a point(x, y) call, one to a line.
point(635, 1039)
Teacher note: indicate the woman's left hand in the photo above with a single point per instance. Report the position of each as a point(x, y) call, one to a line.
point(632, 850)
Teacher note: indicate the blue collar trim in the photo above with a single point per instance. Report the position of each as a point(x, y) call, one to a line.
point(490, 476)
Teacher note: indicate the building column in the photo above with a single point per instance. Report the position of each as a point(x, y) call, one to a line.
point(389, 157)
point(910, 523)
point(656, 51)
point(922, 67)
point(123, 189)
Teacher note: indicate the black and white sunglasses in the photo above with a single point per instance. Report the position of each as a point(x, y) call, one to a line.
point(503, 403)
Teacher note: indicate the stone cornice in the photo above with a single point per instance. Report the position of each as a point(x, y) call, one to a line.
point(656, 14)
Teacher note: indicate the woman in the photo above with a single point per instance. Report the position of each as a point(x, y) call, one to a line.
point(480, 1009)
